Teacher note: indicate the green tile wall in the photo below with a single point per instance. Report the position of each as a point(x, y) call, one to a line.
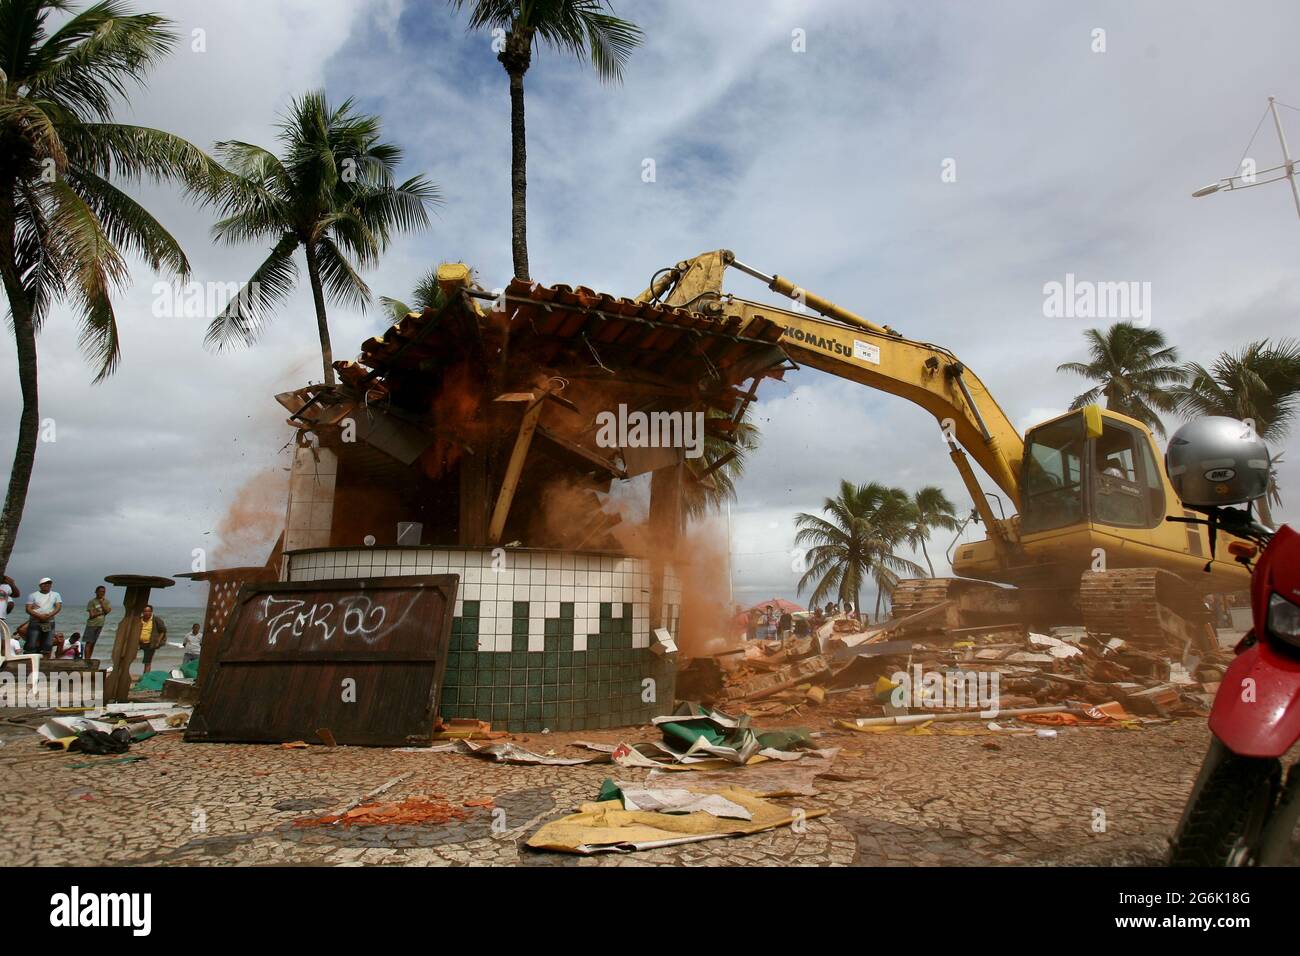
point(557, 687)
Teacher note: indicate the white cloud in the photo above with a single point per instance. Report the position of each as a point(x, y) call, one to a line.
point(823, 165)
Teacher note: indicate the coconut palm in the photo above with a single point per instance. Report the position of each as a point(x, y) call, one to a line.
point(330, 194)
point(931, 510)
point(704, 494)
point(427, 294)
point(1134, 370)
point(65, 225)
point(585, 28)
point(858, 539)
point(1260, 384)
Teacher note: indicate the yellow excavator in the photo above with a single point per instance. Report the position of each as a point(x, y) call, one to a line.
point(1081, 537)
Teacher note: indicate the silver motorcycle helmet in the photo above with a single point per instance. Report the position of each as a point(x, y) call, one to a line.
point(1217, 461)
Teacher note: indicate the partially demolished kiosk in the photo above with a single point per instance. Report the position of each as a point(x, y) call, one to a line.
point(459, 541)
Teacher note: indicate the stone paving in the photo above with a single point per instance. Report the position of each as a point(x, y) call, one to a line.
point(1090, 796)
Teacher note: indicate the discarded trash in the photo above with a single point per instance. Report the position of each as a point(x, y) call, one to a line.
point(677, 800)
point(767, 778)
point(607, 826)
point(510, 753)
point(92, 741)
point(410, 811)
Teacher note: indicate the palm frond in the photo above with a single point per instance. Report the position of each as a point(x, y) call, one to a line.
point(128, 225)
point(244, 318)
point(95, 267)
point(342, 284)
point(94, 58)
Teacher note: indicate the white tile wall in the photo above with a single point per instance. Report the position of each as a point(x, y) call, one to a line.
point(543, 578)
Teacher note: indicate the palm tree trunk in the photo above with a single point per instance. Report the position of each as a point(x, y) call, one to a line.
point(518, 177)
point(878, 596)
point(30, 419)
point(928, 562)
point(322, 322)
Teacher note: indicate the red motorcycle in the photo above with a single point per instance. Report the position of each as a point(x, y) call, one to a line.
point(1241, 812)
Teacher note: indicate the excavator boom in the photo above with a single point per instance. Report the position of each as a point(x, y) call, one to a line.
point(849, 346)
point(1093, 494)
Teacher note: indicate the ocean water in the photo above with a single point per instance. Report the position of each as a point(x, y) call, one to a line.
point(177, 619)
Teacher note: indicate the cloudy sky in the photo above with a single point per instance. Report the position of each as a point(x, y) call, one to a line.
point(808, 137)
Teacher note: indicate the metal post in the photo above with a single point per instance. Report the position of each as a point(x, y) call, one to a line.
point(731, 587)
point(1286, 153)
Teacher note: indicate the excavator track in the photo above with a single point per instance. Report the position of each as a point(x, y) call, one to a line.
point(971, 603)
point(1142, 606)
point(1147, 607)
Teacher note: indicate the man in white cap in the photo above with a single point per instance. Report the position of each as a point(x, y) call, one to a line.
point(43, 606)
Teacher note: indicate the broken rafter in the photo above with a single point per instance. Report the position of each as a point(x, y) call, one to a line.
point(714, 466)
point(571, 449)
point(514, 470)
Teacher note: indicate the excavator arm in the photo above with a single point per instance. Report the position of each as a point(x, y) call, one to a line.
point(825, 336)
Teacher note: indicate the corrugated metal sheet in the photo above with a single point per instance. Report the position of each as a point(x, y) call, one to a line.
point(363, 659)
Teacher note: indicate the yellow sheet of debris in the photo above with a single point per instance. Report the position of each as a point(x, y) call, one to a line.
point(606, 826)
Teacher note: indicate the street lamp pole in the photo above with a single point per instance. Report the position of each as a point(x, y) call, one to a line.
point(1246, 181)
point(1286, 152)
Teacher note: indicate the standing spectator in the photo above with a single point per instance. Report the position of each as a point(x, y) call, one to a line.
point(96, 611)
point(153, 634)
point(783, 625)
point(43, 606)
point(193, 645)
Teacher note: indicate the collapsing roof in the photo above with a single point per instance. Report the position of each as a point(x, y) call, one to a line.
point(493, 402)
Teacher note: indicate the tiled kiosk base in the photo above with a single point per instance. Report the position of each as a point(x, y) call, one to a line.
point(540, 639)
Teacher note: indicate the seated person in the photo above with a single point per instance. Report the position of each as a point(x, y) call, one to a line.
point(71, 651)
point(20, 635)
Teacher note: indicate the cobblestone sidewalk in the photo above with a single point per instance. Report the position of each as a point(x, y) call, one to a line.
point(1089, 796)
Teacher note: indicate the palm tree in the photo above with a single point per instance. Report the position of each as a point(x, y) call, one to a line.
point(583, 28)
point(704, 494)
point(65, 229)
point(1260, 383)
point(427, 294)
point(330, 194)
point(931, 510)
point(1134, 369)
point(864, 527)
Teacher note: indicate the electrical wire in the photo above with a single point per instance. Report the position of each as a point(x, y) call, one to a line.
point(1245, 151)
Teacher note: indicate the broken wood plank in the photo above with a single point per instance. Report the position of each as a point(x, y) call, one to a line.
point(514, 470)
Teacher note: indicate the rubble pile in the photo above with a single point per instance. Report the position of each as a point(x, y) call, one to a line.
point(849, 667)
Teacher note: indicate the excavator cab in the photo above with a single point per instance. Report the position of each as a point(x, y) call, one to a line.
point(1085, 466)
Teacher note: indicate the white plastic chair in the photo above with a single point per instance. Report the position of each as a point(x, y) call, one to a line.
point(5, 656)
